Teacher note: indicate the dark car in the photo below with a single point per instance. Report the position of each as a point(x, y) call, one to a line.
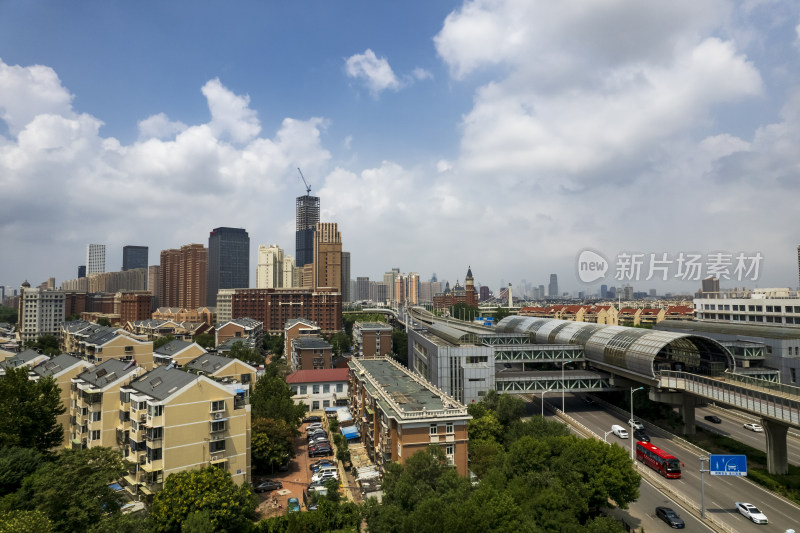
point(714, 419)
point(310, 419)
point(670, 517)
point(268, 485)
point(322, 462)
point(316, 433)
point(640, 435)
point(322, 451)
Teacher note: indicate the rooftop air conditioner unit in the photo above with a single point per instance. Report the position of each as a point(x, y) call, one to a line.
point(217, 416)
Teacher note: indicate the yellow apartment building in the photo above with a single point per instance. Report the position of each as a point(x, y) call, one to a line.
point(94, 412)
point(223, 368)
point(178, 352)
point(179, 421)
point(63, 368)
point(400, 413)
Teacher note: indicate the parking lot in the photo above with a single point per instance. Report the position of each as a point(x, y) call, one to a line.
point(295, 480)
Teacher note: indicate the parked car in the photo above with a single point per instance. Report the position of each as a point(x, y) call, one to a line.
point(319, 464)
point(293, 505)
point(640, 435)
point(670, 517)
point(268, 485)
point(751, 512)
point(316, 433)
point(312, 419)
point(324, 476)
point(322, 451)
point(619, 431)
point(315, 425)
point(635, 424)
point(754, 427)
point(713, 419)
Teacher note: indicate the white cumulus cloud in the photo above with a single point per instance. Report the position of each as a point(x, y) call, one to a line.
point(373, 70)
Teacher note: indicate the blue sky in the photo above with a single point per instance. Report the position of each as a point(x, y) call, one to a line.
point(506, 135)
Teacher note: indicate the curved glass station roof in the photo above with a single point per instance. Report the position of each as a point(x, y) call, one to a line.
point(643, 351)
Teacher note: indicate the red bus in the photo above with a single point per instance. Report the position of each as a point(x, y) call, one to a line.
point(659, 460)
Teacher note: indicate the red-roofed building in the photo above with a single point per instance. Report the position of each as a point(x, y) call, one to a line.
point(320, 388)
point(679, 312)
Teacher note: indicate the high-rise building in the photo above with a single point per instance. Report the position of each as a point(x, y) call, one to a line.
point(710, 285)
point(95, 258)
point(484, 293)
point(269, 272)
point(228, 261)
point(552, 290)
point(289, 272)
point(327, 270)
point(412, 291)
point(798, 266)
point(307, 217)
point(82, 271)
point(41, 312)
point(362, 288)
point(603, 291)
point(388, 280)
point(184, 274)
point(154, 283)
point(134, 257)
point(345, 286)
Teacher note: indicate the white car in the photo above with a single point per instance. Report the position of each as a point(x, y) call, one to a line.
point(324, 476)
point(751, 511)
point(754, 427)
point(635, 424)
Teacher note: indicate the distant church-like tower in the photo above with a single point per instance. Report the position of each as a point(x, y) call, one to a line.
point(459, 294)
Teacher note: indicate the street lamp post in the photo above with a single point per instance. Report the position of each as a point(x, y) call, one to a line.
point(631, 424)
point(565, 363)
point(543, 393)
point(605, 435)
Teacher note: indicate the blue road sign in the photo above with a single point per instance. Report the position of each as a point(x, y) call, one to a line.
point(727, 465)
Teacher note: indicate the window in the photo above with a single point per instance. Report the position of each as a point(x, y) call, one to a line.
point(315, 405)
point(433, 429)
point(218, 425)
point(218, 405)
point(95, 416)
point(155, 410)
point(316, 389)
point(303, 389)
point(326, 389)
point(448, 428)
point(294, 390)
point(326, 403)
point(154, 454)
point(449, 449)
point(155, 433)
point(216, 446)
point(339, 387)
point(94, 434)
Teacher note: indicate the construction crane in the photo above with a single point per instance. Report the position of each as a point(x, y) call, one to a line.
point(308, 187)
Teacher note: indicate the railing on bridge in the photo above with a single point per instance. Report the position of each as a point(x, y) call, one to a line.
point(539, 352)
point(539, 384)
point(764, 384)
point(746, 397)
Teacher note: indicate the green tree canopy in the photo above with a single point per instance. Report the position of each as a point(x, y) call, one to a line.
point(272, 398)
point(272, 443)
point(210, 490)
point(248, 355)
point(400, 346)
point(28, 411)
point(47, 344)
point(500, 313)
point(9, 315)
point(206, 340)
point(73, 491)
point(103, 321)
point(25, 522)
point(17, 463)
point(274, 344)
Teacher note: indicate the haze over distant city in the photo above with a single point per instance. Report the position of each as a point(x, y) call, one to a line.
point(508, 136)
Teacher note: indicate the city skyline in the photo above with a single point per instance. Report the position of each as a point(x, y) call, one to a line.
point(659, 128)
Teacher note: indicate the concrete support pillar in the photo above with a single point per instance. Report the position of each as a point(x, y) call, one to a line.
point(777, 459)
point(687, 406)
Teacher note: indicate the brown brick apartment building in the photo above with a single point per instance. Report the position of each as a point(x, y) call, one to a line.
point(275, 307)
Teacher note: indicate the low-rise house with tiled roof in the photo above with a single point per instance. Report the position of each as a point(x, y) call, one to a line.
point(111, 344)
point(27, 358)
point(177, 352)
point(241, 329)
point(220, 367)
point(297, 327)
point(322, 388)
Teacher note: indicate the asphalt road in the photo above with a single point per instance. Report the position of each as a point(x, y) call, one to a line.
point(733, 426)
point(720, 492)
